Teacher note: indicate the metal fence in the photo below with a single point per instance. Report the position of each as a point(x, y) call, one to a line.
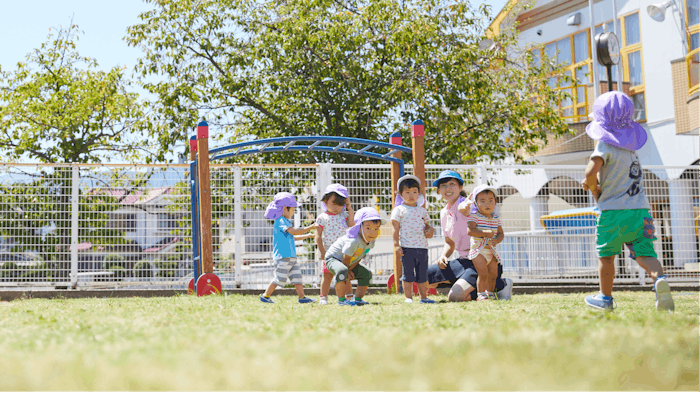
point(128, 226)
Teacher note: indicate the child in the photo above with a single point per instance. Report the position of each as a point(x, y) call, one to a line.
point(484, 228)
point(620, 196)
point(337, 216)
point(284, 253)
point(343, 257)
point(411, 230)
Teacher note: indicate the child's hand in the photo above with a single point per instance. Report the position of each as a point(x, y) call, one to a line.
point(429, 232)
point(495, 241)
point(347, 203)
point(596, 192)
point(398, 250)
point(466, 209)
point(351, 275)
point(489, 233)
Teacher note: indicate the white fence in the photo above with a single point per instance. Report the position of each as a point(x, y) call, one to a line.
point(112, 226)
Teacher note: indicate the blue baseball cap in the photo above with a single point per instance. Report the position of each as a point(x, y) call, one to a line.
point(449, 174)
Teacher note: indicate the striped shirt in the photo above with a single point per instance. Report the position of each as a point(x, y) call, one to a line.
point(483, 223)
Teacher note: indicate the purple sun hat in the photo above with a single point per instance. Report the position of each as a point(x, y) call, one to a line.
point(613, 122)
point(281, 200)
point(399, 199)
point(334, 188)
point(363, 215)
point(480, 189)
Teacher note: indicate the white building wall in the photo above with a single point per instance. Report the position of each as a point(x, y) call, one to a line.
point(662, 42)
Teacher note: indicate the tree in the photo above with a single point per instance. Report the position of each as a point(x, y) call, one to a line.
point(57, 107)
point(360, 68)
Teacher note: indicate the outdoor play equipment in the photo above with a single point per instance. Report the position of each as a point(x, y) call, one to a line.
point(204, 281)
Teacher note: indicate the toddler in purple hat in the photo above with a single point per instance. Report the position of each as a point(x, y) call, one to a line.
point(284, 252)
point(614, 176)
point(337, 216)
point(344, 255)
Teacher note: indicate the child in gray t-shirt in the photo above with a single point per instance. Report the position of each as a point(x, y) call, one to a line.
point(624, 217)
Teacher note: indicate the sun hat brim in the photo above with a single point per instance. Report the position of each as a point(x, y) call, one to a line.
point(632, 137)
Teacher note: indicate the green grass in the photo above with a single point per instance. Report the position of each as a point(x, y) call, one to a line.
point(534, 342)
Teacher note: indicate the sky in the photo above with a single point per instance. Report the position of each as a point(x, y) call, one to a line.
point(26, 25)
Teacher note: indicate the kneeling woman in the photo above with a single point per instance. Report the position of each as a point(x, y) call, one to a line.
point(459, 273)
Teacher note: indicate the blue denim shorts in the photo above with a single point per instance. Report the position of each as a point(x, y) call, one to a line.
point(415, 265)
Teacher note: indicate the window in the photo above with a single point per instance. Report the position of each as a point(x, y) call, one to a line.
point(572, 52)
point(123, 221)
point(693, 58)
point(632, 69)
point(166, 221)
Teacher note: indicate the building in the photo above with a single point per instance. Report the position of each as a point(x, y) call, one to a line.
point(659, 68)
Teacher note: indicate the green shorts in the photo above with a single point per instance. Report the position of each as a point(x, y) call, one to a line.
point(632, 227)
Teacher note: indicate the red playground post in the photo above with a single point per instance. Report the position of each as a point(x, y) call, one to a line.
point(207, 283)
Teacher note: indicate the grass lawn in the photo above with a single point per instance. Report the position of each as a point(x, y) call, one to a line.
point(234, 342)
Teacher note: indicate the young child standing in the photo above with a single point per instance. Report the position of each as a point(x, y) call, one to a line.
point(343, 257)
point(337, 216)
point(411, 230)
point(284, 252)
point(625, 217)
point(484, 228)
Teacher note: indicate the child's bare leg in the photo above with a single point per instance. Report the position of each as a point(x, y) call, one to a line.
point(348, 288)
point(326, 284)
point(493, 274)
point(482, 270)
point(423, 290)
point(652, 265)
point(270, 289)
point(300, 290)
point(408, 289)
point(606, 272)
point(361, 290)
point(340, 289)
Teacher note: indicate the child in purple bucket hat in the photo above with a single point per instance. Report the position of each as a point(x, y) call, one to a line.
point(337, 216)
point(344, 256)
point(284, 252)
point(625, 217)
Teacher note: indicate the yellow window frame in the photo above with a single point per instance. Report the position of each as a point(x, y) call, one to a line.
point(575, 105)
point(693, 54)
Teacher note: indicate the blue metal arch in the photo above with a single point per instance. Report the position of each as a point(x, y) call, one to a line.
point(263, 146)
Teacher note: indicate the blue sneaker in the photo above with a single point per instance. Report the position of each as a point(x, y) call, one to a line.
point(346, 303)
point(361, 302)
point(664, 300)
point(306, 300)
point(267, 300)
point(427, 301)
point(599, 301)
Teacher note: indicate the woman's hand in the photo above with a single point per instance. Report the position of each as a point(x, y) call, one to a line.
point(442, 263)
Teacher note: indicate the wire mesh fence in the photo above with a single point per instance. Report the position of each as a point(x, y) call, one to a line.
point(129, 226)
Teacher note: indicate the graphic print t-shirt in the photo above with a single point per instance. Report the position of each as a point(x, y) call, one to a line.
point(356, 248)
point(620, 179)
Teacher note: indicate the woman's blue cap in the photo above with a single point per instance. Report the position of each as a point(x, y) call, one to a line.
point(449, 174)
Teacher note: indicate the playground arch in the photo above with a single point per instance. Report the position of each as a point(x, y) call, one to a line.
point(204, 281)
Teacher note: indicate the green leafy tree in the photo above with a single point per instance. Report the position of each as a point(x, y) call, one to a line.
point(58, 107)
point(354, 68)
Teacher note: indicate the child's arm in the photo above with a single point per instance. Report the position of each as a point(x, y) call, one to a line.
point(473, 232)
point(351, 214)
point(465, 209)
point(319, 242)
point(346, 261)
point(499, 237)
point(591, 181)
point(303, 237)
point(397, 242)
point(301, 230)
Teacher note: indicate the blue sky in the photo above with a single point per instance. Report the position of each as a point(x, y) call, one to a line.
point(26, 25)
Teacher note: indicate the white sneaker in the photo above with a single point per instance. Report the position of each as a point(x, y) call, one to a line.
point(409, 300)
point(664, 300)
point(507, 291)
point(323, 301)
